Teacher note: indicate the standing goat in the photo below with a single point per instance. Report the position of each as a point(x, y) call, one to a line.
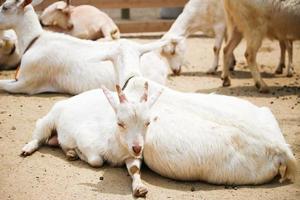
point(207, 16)
point(255, 20)
point(84, 21)
point(55, 62)
point(9, 52)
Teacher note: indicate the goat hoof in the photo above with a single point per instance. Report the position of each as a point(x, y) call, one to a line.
point(279, 69)
point(140, 191)
point(71, 155)
point(24, 154)
point(29, 148)
point(289, 75)
point(212, 70)
point(262, 89)
point(226, 82)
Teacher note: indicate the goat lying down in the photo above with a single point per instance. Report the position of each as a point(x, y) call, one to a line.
point(55, 62)
point(84, 21)
point(209, 137)
point(189, 138)
point(9, 51)
point(105, 133)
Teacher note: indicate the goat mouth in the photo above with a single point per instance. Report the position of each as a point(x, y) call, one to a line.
point(138, 156)
point(176, 72)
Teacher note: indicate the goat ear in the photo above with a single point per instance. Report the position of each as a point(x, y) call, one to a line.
point(110, 98)
point(26, 3)
point(144, 97)
point(154, 98)
point(61, 6)
point(145, 48)
point(121, 94)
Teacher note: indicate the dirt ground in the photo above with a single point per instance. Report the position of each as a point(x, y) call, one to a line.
point(48, 175)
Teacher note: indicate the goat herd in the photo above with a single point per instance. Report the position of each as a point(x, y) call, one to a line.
point(183, 136)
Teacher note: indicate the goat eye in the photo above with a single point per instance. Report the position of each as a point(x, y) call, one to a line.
point(147, 124)
point(122, 125)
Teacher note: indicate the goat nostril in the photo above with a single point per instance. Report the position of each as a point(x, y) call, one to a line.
point(176, 71)
point(137, 149)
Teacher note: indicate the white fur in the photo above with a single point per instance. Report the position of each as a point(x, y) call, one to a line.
point(9, 51)
point(207, 137)
point(255, 20)
point(198, 15)
point(60, 63)
point(84, 21)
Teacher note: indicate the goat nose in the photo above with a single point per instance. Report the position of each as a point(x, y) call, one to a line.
point(137, 149)
point(176, 71)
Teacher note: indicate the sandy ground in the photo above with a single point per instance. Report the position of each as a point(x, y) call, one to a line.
point(48, 175)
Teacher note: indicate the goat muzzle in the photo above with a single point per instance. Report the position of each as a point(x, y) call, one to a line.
point(137, 149)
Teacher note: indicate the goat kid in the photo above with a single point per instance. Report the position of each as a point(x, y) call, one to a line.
point(97, 129)
point(84, 21)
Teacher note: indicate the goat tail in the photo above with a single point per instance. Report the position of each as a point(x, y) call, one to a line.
point(288, 166)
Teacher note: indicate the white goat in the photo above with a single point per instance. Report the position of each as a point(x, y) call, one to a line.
point(198, 15)
point(55, 62)
point(84, 21)
point(9, 51)
point(89, 128)
point(190, 136)
point(255, 20)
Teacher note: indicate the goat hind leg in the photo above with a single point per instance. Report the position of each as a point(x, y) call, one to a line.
point(281, 64)
point(290, 68)
point(13, 86)
point(234, 40)
point(41, 133)
point(253, 44)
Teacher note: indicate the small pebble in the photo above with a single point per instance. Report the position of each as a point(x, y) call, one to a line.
point(13, 128)
point(271, 102)
point(101, 178)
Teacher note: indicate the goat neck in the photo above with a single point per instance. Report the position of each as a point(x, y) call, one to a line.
point(28, 28)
